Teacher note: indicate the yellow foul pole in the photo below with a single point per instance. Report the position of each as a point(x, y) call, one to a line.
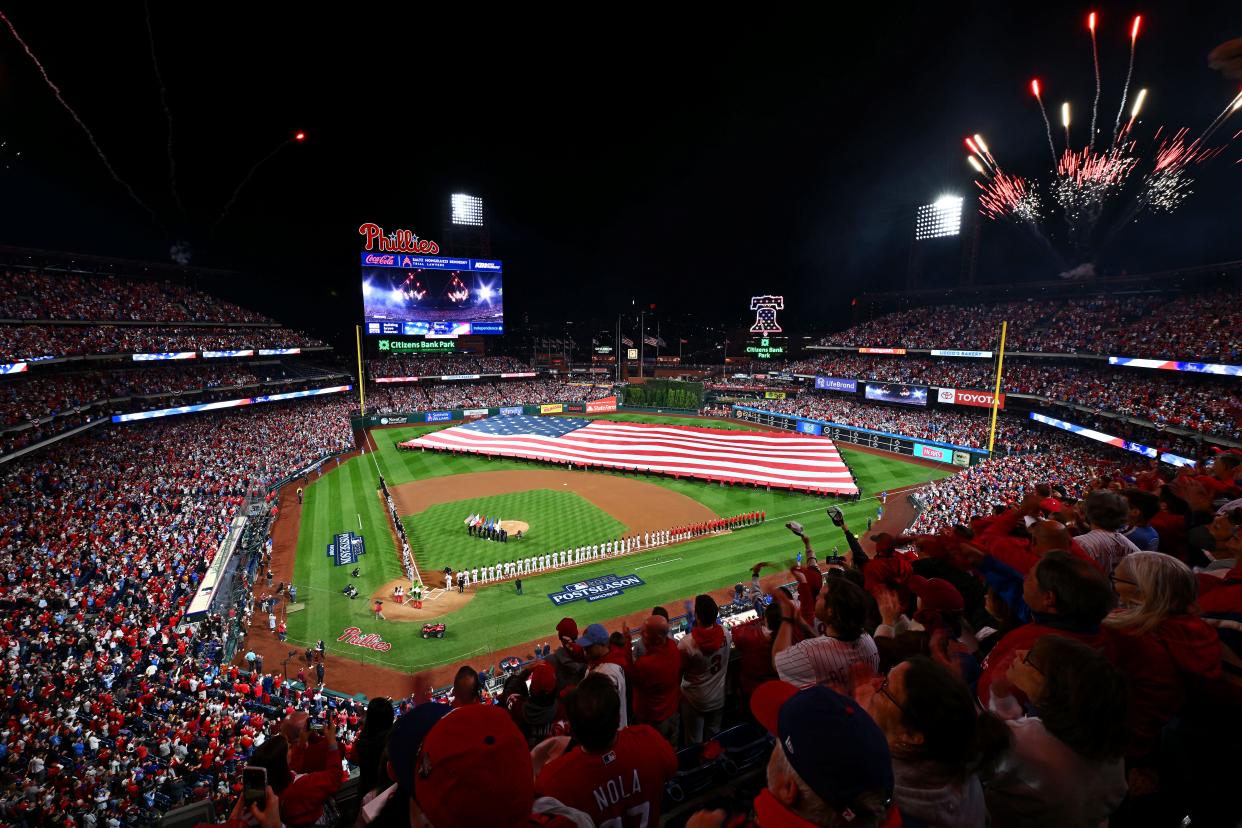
point(362, 380)
point(1000, 368)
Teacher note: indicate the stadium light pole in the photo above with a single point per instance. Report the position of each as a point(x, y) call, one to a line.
point(1000, 367)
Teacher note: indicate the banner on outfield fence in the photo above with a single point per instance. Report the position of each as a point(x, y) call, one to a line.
point(439, 416)
point(474, 412)
point(1169, 365)
point(881, 350)
point(245, 352)
point(161, 357)
point(552, 408)
point(970, 354)
point(595, 589)
point(808, 427)
point(823, 383)
point(958, 396)
point(602, 406)
point(346, 549)
point(940, 455)
point(510, 411)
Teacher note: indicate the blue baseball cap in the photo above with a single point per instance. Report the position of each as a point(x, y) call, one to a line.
point(830, 740)
point(594, 634)
point(406, 739)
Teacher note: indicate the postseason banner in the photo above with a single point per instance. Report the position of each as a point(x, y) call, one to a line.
point(595, 589)
point(346, 548)
point(1168, 365)
point(893, 392)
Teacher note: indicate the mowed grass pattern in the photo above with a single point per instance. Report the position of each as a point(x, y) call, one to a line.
point(497, 617)
point(557, 521)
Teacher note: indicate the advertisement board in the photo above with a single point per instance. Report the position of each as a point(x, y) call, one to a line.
point(959, 396)
point(474, 412)
point(940, 455)
point(881, 350)
point(417, 346)
point(602, 406)
point(551, 408)
point(439, 416)
point(774, 395)
point(968, 354)
point(631, 353)
point(895, 392)
point(849, 386)
point(510, 411)
point(808, 427)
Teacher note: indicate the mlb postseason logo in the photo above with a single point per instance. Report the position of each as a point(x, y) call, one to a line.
point(346, 548)
point(595, 589)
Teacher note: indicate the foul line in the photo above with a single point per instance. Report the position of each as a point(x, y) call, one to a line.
point(661, 563)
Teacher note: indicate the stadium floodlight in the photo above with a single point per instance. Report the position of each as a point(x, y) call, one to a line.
point(467, 209)
point(943, 218)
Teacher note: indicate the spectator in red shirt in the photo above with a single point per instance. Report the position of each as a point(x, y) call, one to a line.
point(754, 645)
point(615, 776)
point(656, 676)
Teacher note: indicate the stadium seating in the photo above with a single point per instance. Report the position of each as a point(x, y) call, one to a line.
point(387, 399)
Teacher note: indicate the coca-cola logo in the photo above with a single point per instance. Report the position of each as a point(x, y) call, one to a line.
point(398, 241)
point(371, 641)
point(374, 259)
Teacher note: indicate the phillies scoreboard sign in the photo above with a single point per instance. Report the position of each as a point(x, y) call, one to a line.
point(595, 589)
point(346, 548)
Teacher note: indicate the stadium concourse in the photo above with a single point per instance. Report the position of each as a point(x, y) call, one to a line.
point(1048, 637)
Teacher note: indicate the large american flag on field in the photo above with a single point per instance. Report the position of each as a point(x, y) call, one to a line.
point(788, 461)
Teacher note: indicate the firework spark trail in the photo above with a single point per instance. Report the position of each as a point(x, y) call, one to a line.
point(1007, 196)
point(1125, 90)
point(90, 136)
point(233, 198)
point(1095, 60)
point(1047, 125)
point(159, 78)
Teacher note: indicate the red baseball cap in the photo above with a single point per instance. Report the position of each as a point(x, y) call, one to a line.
point(475, 769)
point(567, 628)
point(937, 593)
point(1051, 505)
point(542, 679)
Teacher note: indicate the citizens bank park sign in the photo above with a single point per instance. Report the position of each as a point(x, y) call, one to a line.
point(595, 589)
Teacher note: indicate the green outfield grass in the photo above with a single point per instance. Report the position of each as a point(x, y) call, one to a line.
point(557, 520)
point(345, 498)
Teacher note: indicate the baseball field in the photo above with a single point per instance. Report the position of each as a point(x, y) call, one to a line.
point(434, 492)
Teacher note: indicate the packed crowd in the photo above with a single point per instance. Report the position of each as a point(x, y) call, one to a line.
point(1031, 666)
point(20, 343)
point(24, 398)
point(35, 295)
point(1207, 404)
point(111, 705)
point(1201, 326)
point(967, 428)
point(387, 399)
point(439, 365)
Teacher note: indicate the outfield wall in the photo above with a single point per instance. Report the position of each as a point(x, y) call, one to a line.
point(358, 423)
point(946, 453)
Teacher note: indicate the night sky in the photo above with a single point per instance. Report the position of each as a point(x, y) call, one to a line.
point(689, 162)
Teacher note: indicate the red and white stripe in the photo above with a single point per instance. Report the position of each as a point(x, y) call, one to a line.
point(790, 461)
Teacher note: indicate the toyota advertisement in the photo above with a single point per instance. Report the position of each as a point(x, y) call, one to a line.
point(958, 396)
point(896, 392)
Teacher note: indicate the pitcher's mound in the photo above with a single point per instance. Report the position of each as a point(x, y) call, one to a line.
point(515, 526)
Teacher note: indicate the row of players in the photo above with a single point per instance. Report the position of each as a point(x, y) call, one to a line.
point(593, 552)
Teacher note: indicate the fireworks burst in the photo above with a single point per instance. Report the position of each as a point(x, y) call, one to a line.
point(1105, 188)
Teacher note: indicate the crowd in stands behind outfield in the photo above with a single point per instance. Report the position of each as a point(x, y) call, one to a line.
point(1209, 404)
point(1197, 326)
point(391, 399)
point(36, 295)
point(438, 365)
point(24, 342)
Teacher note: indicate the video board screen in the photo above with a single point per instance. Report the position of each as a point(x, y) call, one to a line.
point(895, 392)
point(431, 295)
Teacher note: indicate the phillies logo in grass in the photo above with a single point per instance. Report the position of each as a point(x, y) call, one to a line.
point(595, 589)
point(371, 641)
